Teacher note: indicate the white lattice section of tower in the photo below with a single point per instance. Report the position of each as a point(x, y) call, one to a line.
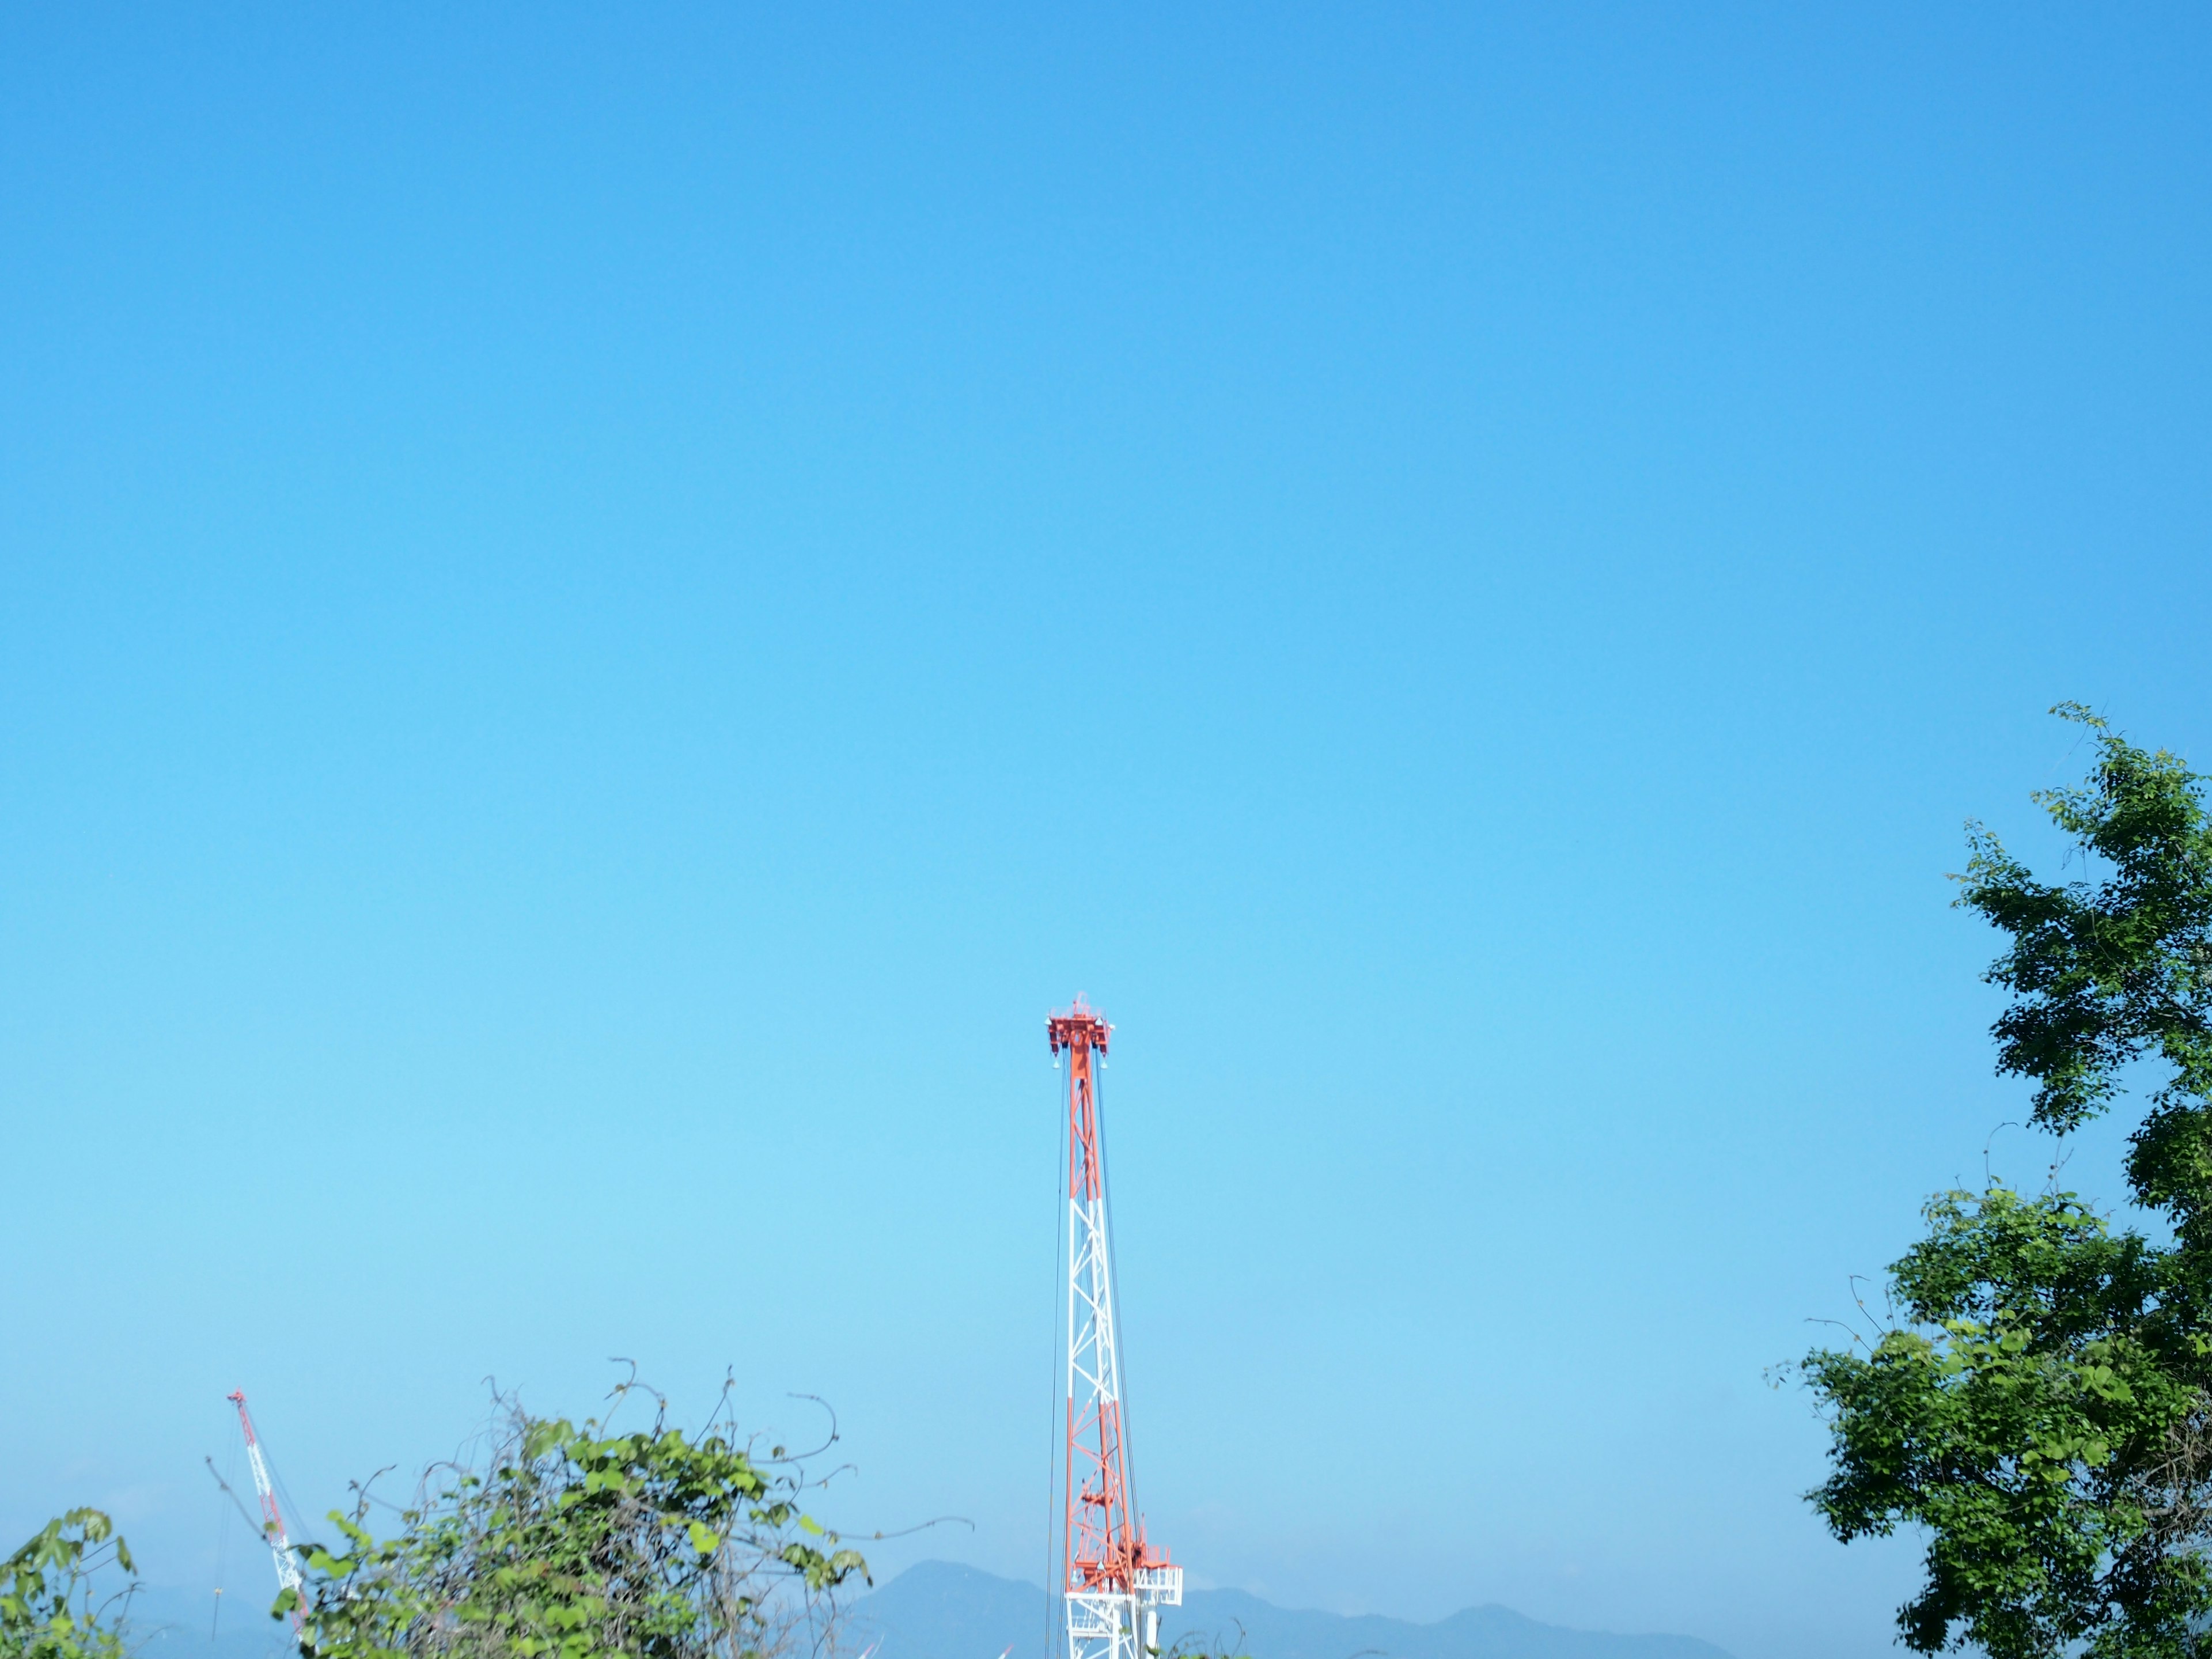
point(1094, 1375)
point(1108, 1625)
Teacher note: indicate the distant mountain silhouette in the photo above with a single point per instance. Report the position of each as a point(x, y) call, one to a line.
point(940, 1611)
point(937, 1610)
point(173, 1623)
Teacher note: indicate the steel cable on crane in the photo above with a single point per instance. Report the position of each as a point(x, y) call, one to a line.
point(297, 1516)
point(223, 1537)
point(252, 1525)
point(1131, 1513)
point(1055, 1442)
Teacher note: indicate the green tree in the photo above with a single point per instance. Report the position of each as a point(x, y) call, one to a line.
point(571, 1542)
point(2041, 1403)
point(51, 1606)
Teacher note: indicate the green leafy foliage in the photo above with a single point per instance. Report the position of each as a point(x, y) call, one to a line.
point(2105, 971)
point(1195, 1646)
point(2040, 1400)
point(51, 1607)
point(575, 1541)
point(2023, 1411)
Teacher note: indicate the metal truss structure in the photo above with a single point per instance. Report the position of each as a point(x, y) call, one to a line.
point(289, 1575)
point(1114, 1581)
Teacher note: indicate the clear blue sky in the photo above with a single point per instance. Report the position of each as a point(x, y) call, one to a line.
point(600, 611)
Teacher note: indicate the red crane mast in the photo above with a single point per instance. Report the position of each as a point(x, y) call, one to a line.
point(289, 1575)
point(1113, 1579)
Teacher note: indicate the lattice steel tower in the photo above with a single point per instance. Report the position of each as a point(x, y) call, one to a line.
point(1113, 1580)
point(289, 1576)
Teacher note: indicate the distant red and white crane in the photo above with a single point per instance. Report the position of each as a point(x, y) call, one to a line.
point(1114, 1581)
point(289, 1575)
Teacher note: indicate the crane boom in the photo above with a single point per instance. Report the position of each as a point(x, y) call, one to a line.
point(289, 1576)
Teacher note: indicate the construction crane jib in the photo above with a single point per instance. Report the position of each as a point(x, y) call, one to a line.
point(289, 1575)
point(1113, 1580)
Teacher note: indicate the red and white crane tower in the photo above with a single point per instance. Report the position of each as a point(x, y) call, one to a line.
point(1114, 1581)
point(289, 1576)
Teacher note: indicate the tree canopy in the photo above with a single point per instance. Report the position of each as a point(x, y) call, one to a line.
point(2041, 1403)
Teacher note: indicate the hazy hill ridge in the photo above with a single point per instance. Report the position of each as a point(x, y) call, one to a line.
point(174, 1624)
point(937, 1610)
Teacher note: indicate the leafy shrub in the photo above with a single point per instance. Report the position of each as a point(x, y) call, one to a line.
point(48, 1606)
point(572, 1542)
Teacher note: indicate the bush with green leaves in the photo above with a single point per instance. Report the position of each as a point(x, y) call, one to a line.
point(2040, 1403)
point(570, 1542)
point(52, 1601)
point(1197, 1646)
